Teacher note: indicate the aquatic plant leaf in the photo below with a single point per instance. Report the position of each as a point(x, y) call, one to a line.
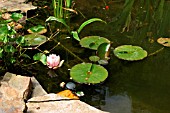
point(88, 22)
point(35, 39)
point(9, 48)
point(41, 57)
point(130, 53)
point(37, 29)
point(94, 58)
point(75, 35)
point(164, 41)
point(16, 16)
point(93, 42)
point(88, 73)
point(103, 51)
point(20, 40)
point(52, 18)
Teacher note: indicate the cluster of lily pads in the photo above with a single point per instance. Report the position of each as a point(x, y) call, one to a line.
point(92, 72)
point(14, 45)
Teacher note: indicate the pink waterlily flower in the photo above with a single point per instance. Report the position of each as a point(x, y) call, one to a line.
point(53, 61)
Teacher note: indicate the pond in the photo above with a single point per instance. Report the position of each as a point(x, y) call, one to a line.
point(132, 86)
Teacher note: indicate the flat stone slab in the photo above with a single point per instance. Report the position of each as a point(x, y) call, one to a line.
point(53, 103)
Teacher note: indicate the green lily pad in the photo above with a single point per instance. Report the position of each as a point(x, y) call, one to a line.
point(35, 39)
point(88, 73)
point(164, 41)
point(130, 53)
point(37, 29)
point(93, 42)
point(94, 58)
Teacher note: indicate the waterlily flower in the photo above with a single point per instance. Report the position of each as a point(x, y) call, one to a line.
point(53, 61)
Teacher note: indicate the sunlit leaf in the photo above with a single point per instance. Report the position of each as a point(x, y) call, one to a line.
point(88, 73)
point(129, 52)
point(88, 22)
point(93, 42)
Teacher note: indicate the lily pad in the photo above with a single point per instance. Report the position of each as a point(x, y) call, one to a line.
point(37, 29)
point(164, 41)
point(94, 58)
point(35, 39)
point(88, 73)
point(93, 42)
point(130, 53)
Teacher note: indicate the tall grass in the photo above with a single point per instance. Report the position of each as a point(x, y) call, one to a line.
point(60, 8)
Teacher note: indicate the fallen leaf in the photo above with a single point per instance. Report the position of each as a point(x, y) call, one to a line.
point(164, 41)
point(68, 93)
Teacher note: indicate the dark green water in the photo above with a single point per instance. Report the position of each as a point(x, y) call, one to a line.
point(132, 87)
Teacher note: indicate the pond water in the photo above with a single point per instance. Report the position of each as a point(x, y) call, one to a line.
point(132, 87)
point(141, 86)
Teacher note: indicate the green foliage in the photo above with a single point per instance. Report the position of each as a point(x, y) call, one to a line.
point(40, 57)
point(13, 44)
point(16, 16)
point(88, 22)
point(75, 35)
